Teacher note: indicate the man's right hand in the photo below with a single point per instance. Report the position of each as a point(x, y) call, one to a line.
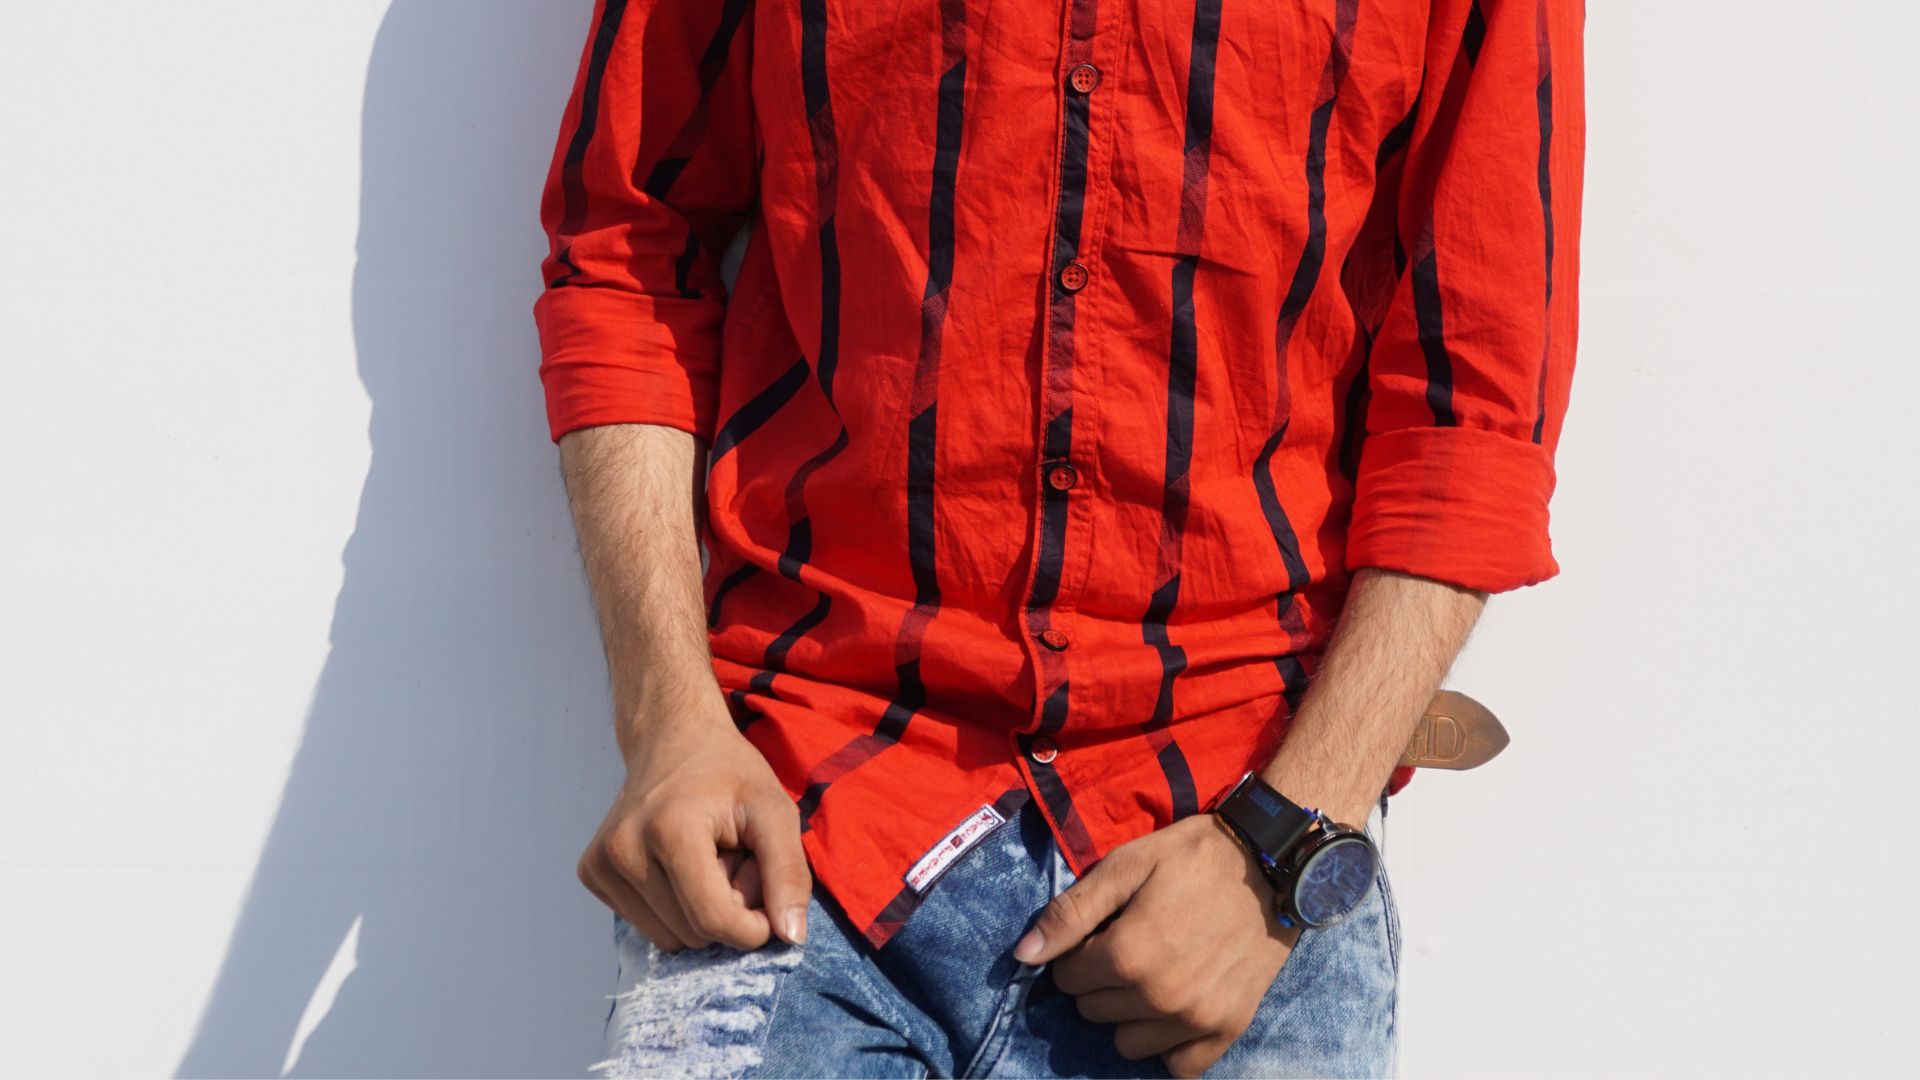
point(702, 844)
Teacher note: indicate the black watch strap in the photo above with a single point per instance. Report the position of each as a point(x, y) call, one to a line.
point(1268, 821)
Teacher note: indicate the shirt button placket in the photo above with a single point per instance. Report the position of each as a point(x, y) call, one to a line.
point(1059, 561)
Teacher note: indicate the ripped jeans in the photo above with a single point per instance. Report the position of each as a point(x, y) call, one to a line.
point(944, 996)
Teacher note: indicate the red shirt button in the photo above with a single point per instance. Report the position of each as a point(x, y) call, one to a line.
point(1073, 277)
point(1083, 78)
point(1062, 477)
point(1053, 639)
point(1043, 749)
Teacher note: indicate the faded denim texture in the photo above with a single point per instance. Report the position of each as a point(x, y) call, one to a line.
point(945, 997)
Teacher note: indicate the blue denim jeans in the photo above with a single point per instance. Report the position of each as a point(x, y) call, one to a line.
point(944, 996)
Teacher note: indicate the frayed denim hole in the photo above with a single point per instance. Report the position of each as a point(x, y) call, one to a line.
point(622, 930)
point(698, 1012)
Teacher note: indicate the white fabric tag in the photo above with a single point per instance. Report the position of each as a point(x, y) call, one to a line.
point(951, 847)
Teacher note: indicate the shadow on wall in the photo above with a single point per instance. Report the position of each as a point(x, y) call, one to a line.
point(457, 756)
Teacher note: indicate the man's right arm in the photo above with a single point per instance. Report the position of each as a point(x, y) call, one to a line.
point(697, 794)
point(655, 168)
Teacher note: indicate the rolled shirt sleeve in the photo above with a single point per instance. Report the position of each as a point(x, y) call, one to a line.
point(1470, 373)
point(654, 169)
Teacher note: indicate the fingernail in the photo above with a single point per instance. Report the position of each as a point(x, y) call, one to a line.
point(795, 922)
point(1030, 946)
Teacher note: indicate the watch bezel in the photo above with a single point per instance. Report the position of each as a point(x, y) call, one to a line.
point(1326, 834)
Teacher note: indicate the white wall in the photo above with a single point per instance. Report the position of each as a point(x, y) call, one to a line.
point(302, 721)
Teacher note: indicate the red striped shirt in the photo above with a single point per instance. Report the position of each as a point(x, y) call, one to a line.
point(1078, 354)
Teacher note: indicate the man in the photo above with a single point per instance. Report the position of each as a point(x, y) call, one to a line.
point(1087, 365)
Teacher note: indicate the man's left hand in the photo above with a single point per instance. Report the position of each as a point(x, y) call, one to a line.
point(1190, 951)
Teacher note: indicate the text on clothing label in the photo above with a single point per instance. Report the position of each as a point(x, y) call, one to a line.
point(951, 847)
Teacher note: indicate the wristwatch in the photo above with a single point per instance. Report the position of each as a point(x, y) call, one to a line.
point(1321, 870)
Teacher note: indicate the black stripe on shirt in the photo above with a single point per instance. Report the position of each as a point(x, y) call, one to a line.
point(1543, 100)
point(799, 547)
point(1306, 277)
point(758, 410)
point(1182, 372)
point(1474, 34)
point(573, 187)
point(1278, 523)
point(1431, 324)
point(922, 429)
point(713, 62)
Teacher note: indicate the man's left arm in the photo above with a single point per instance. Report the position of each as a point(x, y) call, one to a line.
point(1398, 636)
point(1468, 379)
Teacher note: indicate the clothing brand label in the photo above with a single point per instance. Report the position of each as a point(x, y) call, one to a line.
point(951, 847)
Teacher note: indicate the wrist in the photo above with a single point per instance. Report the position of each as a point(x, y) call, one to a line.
point(1348, 803)
point(660, 721)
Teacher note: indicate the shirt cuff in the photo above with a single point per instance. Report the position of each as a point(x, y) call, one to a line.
point(1398, 780)
point(608, 357)
point(1465, 506)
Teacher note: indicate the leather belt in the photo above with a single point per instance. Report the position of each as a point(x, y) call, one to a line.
point(1455, 732)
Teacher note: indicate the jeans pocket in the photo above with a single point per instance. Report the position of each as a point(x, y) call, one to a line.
point(1383, 884)
point(1013, 998)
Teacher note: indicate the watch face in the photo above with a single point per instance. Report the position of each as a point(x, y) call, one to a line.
point(1334, 881)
